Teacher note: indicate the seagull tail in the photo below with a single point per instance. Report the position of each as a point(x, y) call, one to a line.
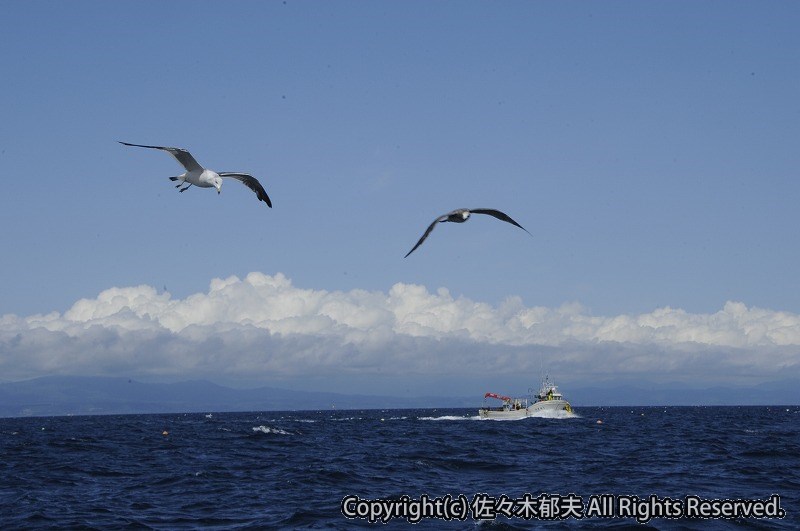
point(173, 178)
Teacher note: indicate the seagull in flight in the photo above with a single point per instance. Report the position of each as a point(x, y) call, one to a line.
point(460, 216)
point(205, 178)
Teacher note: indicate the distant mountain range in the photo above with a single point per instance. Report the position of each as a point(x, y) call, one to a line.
point(77, 395)
point(74, 395)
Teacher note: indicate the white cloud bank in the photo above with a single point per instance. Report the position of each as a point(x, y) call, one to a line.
point(263, 327)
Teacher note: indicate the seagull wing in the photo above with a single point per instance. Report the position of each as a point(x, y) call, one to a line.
point(499, 215)
point(428, 231)
point(252, 183)
point(181, 155)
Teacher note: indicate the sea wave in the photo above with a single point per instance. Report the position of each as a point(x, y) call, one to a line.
point(267, 429)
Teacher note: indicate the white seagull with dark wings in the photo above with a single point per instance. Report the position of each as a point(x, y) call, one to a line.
point(460, 216)
point(205, 178)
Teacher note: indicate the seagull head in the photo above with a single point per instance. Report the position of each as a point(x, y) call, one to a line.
point(218, 184)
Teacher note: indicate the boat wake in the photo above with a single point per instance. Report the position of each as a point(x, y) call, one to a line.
point(555, 414)
point(448, 417)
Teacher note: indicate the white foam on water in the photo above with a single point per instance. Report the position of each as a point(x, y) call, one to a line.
point(447, 417)
point(286, 419)
point(267, 429)
point(558, 414)
point(500, 419)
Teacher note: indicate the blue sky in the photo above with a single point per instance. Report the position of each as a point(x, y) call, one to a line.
point(651, 148)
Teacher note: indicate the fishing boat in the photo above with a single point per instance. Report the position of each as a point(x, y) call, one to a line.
point(547, 402)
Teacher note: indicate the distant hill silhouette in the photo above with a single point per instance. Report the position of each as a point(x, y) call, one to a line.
point(77, 395)
point(81, 395)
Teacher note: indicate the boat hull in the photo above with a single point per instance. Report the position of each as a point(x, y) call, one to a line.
point(542, 408)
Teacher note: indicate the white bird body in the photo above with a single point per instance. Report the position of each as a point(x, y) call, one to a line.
point(203, 179)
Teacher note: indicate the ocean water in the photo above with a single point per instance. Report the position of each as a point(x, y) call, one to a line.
point(271, 470)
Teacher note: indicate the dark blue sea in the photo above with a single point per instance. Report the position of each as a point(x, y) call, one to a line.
point(605, 468)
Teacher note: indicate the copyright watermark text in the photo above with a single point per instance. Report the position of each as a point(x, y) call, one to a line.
point(556, 507)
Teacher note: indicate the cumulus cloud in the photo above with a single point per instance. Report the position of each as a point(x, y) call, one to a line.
point(264, 327)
